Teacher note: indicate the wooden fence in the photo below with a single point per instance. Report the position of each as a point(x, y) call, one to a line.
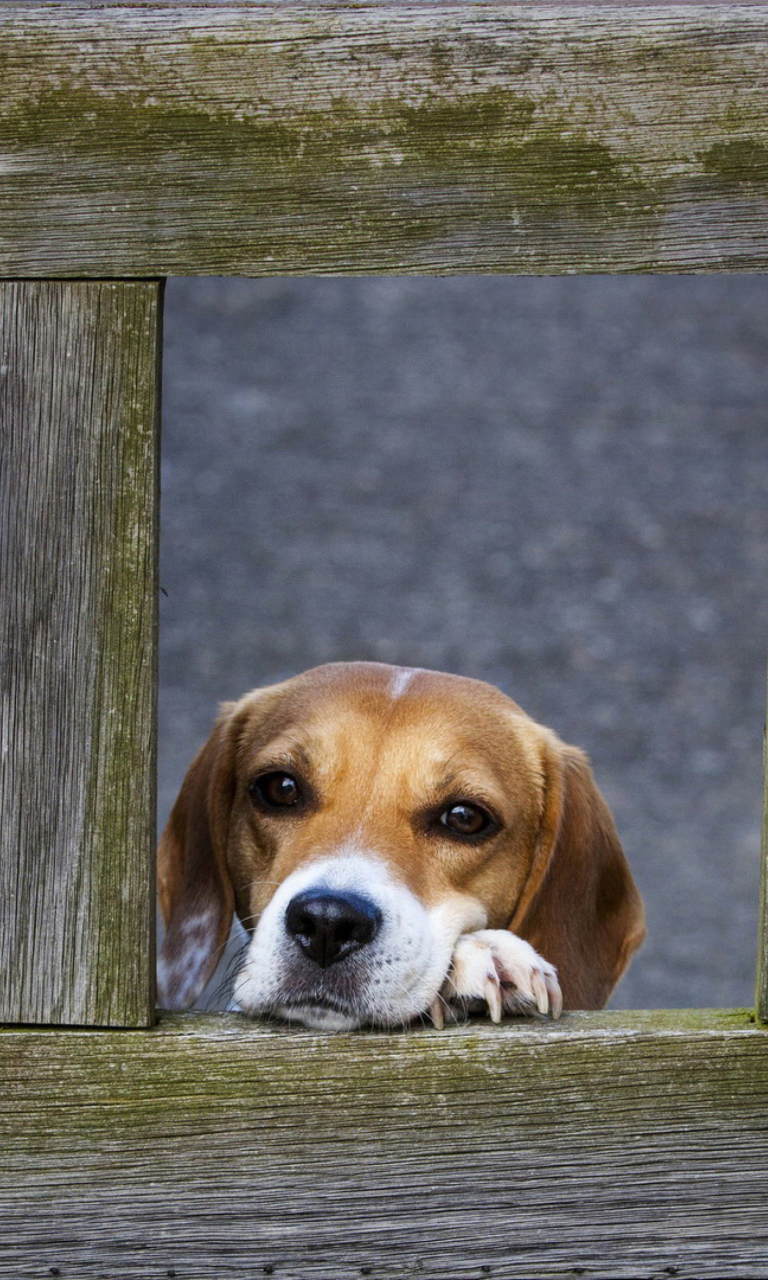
point(139, 140)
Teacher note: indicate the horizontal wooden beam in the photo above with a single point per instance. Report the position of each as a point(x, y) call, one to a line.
point(611, 1145)
point(152, 139)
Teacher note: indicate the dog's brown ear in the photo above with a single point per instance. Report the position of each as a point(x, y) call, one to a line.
point(580, 909)
point(195, 891)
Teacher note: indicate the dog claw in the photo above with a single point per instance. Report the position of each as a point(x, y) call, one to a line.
point(492, 994)
point(436, 1013)
point(555, 999)
point(539, 989)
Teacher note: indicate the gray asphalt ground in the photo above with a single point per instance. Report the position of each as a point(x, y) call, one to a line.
point(557, 485)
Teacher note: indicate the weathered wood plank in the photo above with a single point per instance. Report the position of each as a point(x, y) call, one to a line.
point(78, 480)
point(761, 981)
point(427, 137)
point(619, 1145)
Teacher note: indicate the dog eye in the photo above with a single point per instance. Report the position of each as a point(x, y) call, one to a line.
point(466, 820)
point(276, 791)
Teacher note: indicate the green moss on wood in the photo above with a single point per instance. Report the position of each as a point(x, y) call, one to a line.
point(198, 1068)
point(120, 806)
point(744, 160)
point(501, 156)
point(295, 139)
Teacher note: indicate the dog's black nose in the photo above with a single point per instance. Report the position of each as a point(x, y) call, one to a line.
point(329, 926)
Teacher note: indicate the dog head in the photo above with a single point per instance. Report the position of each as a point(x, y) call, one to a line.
point(359, 819)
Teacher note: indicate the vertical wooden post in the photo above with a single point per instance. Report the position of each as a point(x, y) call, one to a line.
point(79, 406)
point(761, 984)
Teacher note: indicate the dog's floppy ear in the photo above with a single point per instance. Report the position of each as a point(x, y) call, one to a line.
point(580, 908)
point(196, 894)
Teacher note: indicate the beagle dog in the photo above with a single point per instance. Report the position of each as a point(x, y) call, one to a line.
point(396, 842)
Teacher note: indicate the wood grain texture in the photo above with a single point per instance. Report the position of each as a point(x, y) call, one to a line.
point(617, 1145)
point(78, 503)
point(761, 980)
point(425, 137)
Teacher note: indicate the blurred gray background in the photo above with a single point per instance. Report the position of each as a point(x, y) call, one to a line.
point(557, 485)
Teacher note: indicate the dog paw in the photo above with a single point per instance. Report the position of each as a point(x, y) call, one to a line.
point(501, 971)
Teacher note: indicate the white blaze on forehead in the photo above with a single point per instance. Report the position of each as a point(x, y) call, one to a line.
point(401, 679)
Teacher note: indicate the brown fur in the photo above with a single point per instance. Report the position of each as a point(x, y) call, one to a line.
point(555, 874)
